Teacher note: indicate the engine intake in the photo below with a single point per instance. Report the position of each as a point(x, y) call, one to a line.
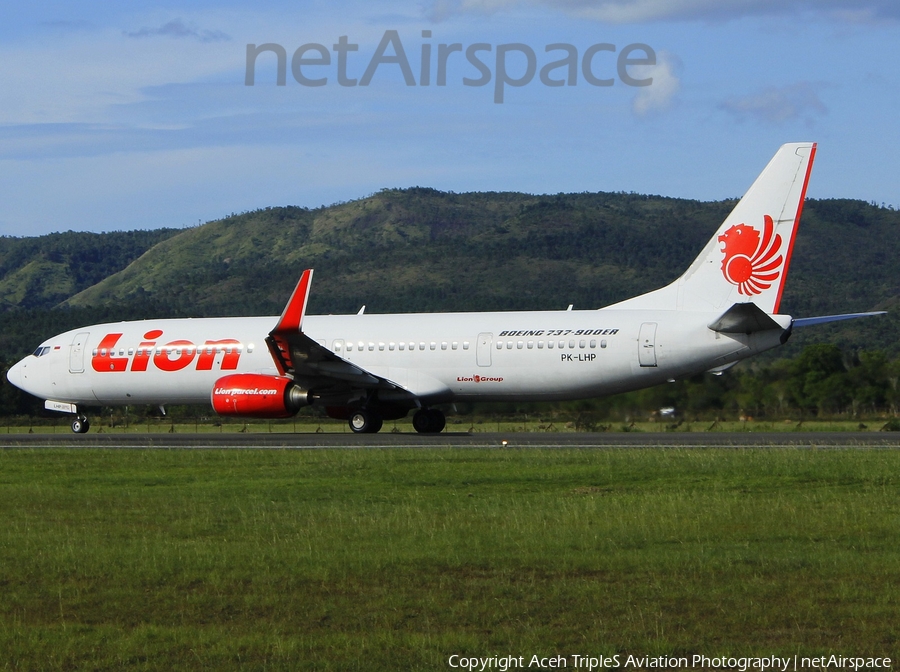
point(255, 395)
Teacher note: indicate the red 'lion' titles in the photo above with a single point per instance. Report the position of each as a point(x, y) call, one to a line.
point(173, 356)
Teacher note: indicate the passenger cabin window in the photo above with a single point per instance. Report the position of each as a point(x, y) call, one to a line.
point(465, 345)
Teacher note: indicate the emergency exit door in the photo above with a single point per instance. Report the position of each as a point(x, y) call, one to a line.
point(483, 349)
point(647, 344)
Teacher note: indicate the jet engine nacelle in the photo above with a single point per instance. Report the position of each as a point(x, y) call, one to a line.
point(255, 395)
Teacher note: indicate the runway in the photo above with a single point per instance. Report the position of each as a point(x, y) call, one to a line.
point(455, 440)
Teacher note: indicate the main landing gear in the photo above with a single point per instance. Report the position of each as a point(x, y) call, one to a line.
point(80, 425)
point(429, 421)
point(425, 421)
point(365, 421)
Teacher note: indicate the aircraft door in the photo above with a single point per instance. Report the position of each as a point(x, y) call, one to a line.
point(483, 349)
point(76, 352)
point(647, 344)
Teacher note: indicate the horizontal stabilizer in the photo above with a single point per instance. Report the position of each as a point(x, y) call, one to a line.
point(744, 318)
point(824, 319)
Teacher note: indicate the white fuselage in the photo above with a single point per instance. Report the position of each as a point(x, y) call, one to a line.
point(436, 358)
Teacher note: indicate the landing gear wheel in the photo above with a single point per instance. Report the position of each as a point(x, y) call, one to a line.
point(429, 421)
point(439, 421)
point(377, 424)
point(80, 425)
point(365, 421)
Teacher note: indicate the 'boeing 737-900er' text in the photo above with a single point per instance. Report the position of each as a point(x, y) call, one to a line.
point(371, 368)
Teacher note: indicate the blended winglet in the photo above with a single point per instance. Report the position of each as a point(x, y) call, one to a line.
point(292, 317)
point(289, 324)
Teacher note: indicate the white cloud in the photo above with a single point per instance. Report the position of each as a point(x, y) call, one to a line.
point(179, 29)
point(642, 11)
point(660, 95)
point(777, 104)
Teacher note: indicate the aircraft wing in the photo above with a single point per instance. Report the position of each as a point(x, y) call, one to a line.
point(310, 364)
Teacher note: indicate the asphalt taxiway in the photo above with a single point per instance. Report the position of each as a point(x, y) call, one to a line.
point(455, 440)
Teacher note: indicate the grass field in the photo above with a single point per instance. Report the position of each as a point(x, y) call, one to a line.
point(394, 559)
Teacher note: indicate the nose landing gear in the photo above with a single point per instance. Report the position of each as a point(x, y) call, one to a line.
point(80, 425)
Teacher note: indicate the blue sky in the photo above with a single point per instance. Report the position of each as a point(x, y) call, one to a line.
point(133, 115)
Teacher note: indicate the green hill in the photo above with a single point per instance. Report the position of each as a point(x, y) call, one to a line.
point(419, 249)
point(41, 272)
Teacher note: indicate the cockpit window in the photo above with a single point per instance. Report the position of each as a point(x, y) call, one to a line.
point(41, 351)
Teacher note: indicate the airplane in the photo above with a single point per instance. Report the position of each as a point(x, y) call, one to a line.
point(367, 368)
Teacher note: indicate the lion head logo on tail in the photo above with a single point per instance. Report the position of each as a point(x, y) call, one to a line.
point(750, 260)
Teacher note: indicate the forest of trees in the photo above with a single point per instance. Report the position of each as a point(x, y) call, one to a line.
point(820, 382)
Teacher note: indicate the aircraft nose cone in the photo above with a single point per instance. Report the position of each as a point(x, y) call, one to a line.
point(14, 375)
